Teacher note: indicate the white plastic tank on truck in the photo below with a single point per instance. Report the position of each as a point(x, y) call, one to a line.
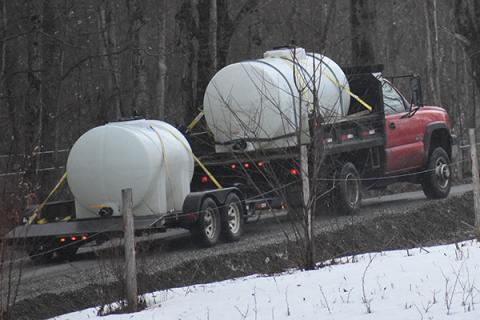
point(257, 101)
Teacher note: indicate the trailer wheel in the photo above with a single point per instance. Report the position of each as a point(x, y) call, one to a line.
point(232, 218)
point(67, 253)
point(348, 193)
point(207, 229)
point(436, 182)
point(40, 253)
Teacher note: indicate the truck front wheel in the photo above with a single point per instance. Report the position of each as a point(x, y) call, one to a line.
point(207, 229)
point(436, 182)
point(348, 189)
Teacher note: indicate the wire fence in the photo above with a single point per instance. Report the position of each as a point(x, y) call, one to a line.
point(273, 190)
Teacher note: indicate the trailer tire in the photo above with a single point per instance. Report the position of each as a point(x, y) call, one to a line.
point(232, 218)
point(67, 253)
point(348, 193)
point(206, 231)
point(294, 196)
point(436, 182)
point(40, 253)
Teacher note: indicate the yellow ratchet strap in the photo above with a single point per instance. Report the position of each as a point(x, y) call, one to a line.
point(209, 174)
point(195, 121)
point(39, 209)
point(353, 95)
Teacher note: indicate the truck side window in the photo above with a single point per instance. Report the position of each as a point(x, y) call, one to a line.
point(392, 100)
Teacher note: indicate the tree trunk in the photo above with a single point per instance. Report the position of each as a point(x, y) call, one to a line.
point(213, 25)
point(363, 30)
point(467, 15)
point(432, 49)
point(109, 34)
point(140, 101)
point(162, 57)
point(33, 104)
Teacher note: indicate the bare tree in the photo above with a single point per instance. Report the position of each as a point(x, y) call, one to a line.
point(467, 15)
point(363, 29)
point(162, 68)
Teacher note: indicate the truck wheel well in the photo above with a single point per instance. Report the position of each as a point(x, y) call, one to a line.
point(440, 138)
point(358, 159)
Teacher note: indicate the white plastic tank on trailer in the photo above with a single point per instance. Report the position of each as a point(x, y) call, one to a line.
point(255, 104)
point(151, 157)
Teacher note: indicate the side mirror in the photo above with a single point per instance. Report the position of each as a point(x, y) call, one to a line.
point(416, 87)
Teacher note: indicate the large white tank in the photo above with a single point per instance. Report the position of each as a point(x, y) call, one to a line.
point(257, 102)
point(151, 157)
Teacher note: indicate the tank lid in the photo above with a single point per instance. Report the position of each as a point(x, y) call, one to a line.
point(286, 53)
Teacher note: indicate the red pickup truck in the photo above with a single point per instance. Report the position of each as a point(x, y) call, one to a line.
point(398, 140)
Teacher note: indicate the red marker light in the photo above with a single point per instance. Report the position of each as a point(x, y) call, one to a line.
point(63, 240)
point(246, 165)
point(84, 238)
point(73, 238)
point(293, 172)
point(233, 166)
point(260, 164)
point(204, 179)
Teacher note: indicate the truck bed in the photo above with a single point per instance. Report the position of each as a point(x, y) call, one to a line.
point(354, 132)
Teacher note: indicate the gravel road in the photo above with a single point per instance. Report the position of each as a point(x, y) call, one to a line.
point(174, 247)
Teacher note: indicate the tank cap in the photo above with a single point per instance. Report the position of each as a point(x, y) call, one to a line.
point(286, 53)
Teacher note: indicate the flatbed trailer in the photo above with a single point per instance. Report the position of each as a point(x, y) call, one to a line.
point(64, 235)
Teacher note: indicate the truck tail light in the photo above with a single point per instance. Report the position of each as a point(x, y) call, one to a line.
point(260, 164)
point(233, 166)
point(345, 137)
point(367, 133)
point(62, 240)
point(84, 237)
point(293, 172)
point(73, 238)
point(204, 179)
point(246, 165)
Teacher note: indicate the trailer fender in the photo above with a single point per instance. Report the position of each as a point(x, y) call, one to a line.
point(193, 201)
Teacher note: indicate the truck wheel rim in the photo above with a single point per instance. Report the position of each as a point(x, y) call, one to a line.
point(352, 189)
point(233, 216)
point(209, 223)
point(442, 172)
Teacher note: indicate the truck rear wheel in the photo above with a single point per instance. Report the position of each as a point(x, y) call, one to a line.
point(207, 229)
point(436, 182)
point(232, 218)
point(348, 193)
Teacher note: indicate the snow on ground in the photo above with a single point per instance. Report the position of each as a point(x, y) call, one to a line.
point(440, 282)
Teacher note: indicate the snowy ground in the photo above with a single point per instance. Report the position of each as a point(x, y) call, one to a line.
point(432, 283)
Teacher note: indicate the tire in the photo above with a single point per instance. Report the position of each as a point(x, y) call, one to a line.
point(67, 253)
point(436, 182)
point(206, 231)
point(40, 253)
point(294, 196)
point(348, 193)
point(232, 218)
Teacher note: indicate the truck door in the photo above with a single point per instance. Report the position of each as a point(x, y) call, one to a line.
point(404, 147)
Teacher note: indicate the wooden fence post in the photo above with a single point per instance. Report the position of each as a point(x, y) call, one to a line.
point(475, 178)
point(310, 250)
point(129, 243)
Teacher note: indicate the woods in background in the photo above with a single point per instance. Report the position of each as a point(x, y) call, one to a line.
point(67, 66)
